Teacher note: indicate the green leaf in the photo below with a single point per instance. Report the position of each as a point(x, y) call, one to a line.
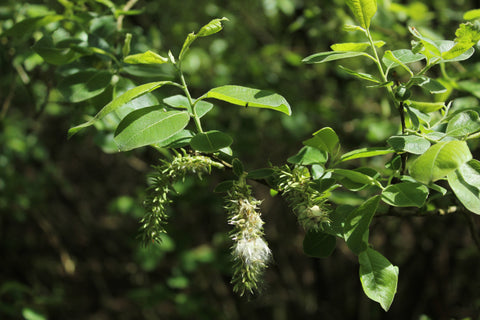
point(357, 223)
point(365, 153)
point(322, 57)
point(401, 58)
point(391, 60)
point(30, 314)
point(431, 85)
point(355, 176)
point(361, 75)
point(118, 102)
point(210, 141)
point(249, 97)
point(212, 27)
point(463, 124)
point(318, 244)
point(439, 160)
point(260, 174)
point(29, 25)
point(472, 14)
point(355, 46)
point(148, 126)
point(465, 183)
point(405, 194)
point(429, 44)
point(379, 277)
point(84, 85)
point(363, 10)
point(148, 57)
point(308, 155)
point(178, 140)
point(324, 139)
point(179, 101)
point(426, 107)
point(53, 54)
point(410, 144)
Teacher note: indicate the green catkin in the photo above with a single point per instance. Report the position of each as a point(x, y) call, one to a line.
point(250, 251)
point(157, 200)
point(307, 203)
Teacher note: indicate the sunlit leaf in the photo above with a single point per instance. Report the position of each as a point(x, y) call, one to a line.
point(465, 183)
point(118, 102)
point(249, 97)
point(322, 57)
point(363, 10)
point(411, 144)
point(148, 126)
point(439, 160)
point(355, 46)
point(148, 57)
point(463, 124)
point(365, 153)
point(379, 277)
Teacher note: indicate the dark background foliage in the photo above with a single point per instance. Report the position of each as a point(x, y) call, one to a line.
point(69, 212)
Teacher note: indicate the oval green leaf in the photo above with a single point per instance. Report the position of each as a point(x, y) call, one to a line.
point(324, 139)
point(249, 97)
point(410, 144)
point(405, 194)
point(463, 124)
point(210, 141)
point(84, 85)
point(439, 160)
point(118, 102)
point(148, 126)
point(379, 277)
point(148, 57)
point(308, 155)
point(322, 57)
point(365, 153)
point(465, 183)
point(357, 223)
point(318, 244)
point(363, 10)
point(426, 107)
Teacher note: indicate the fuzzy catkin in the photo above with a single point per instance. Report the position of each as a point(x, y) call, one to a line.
point(157, 200)
point(250, 251)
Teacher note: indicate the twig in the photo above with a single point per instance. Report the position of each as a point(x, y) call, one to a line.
point(129, 5)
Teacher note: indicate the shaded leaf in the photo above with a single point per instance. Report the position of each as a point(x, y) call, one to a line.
point(357, 224)
point(379, 277)
point(401, 57)
point(361, 75)
point(84, 85)
point(308, 155)
point(324, 139)
point(29, 25)
point(431, 85)
point(405, 194)
point(426, 107)
point(318, 244)
point(210, 141)
point(149, 126)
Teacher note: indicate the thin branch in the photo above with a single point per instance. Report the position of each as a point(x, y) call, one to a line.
point(129, 5)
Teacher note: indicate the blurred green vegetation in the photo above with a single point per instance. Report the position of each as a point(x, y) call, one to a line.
point(69, 211)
